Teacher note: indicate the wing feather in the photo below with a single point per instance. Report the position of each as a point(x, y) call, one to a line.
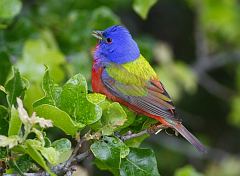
point(150, 96)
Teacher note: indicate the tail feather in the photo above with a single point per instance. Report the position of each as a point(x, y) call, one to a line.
point(190, 137)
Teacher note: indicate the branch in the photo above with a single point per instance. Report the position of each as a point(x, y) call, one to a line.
point(81, 156)
point(74, 154)
point(152, 130)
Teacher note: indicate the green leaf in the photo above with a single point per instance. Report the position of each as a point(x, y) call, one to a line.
point(15, 123)
point(149, 122)
point(96, 98)
point(52, 91)
point(131, 115)
point(33, 93)
point(9, 8)
point(142, 7)
point(137, 124)
point(14, 167)
point(47, 142)
point(109, 152)
point(59, 152)
point(24, 163)
point(59, 118)
point(63, 146)
point(15, 87)
point(50, 154)
point(74, 101)
point(141, 162)
point(36, 156)
point(187, 171)
point(115, 142)
point(136, 142)
point(113, 118)
point(36, 54)
point(3, 120)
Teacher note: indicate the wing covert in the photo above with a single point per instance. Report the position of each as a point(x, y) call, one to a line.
point(147, 95)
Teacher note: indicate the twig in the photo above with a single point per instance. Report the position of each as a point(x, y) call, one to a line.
point(82, 156)
point(78, 146)
point(133, 135)
point(152, 130)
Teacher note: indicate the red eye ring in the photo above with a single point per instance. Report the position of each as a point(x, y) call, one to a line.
point(109, 40)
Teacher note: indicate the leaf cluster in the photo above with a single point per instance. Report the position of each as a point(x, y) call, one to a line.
point(73, 110)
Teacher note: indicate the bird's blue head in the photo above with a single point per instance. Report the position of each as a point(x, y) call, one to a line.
point(115, 45)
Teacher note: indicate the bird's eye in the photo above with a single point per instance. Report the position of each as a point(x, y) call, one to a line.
point(109, 40)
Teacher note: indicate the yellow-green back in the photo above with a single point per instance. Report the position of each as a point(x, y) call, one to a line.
point(136, 72)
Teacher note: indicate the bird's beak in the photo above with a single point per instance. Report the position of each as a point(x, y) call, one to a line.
point(98, 34)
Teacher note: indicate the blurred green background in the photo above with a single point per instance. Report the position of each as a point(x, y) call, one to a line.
point(192, 44)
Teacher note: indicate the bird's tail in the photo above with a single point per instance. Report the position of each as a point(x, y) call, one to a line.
point(190, 137)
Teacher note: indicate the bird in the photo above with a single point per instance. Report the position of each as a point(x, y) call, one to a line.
point(121, 72)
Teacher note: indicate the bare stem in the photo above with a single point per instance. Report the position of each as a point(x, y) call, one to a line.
point(152, 130)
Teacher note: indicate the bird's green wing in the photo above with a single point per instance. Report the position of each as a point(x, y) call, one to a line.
point(137, 84)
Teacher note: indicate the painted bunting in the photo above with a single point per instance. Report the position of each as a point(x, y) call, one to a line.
point(121, 73)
